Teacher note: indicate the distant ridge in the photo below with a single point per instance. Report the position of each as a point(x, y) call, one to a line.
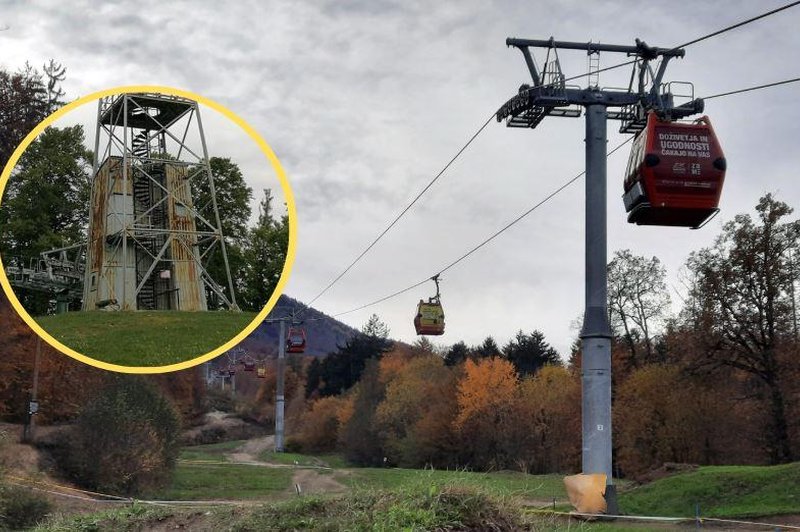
point(324, 334)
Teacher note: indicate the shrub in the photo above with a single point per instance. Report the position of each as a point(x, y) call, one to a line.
point(319, 425)
point(125, 440)
point(21, 508)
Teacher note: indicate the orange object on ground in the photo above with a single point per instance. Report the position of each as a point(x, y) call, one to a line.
point(587, 492)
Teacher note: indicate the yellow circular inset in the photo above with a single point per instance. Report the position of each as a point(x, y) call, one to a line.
point(263, 146)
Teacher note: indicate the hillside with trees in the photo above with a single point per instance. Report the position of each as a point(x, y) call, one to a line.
point(714, 383)
point(325, 334)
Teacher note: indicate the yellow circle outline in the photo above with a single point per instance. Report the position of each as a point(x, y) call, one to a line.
point(263, 146)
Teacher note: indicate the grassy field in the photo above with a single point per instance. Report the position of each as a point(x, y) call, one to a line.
point(149, 338)
point(213, 452)
point(228, 482)
point(395, 499)
point(721, 491)
point(539, 487)
point(449, 509)
point(194, 480)
point(323, 460)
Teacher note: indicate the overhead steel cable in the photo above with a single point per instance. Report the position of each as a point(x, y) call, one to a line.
point(542, 202)
point(450, 162)
point(695, 41)
point(754, 88)
point(485, 241)
point(404, 211)
point(739, 24)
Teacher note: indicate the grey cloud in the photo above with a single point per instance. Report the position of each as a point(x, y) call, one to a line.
point(364, 101)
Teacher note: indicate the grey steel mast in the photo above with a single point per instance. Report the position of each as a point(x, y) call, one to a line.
point(549, 95)
point(279, 389)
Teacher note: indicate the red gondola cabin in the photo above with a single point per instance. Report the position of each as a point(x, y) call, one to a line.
point(249, 365)
point(675, 174)
point(295, 340)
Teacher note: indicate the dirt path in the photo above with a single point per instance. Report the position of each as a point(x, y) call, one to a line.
point(251, 449)
point(316, 482)
point(309, 480)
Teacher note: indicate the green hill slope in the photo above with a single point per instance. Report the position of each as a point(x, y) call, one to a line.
point(721, 491)
point(149, 338)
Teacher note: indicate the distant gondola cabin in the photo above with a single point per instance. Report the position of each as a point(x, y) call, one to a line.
point(296, 340)
point(675, 174)
point(430, 318)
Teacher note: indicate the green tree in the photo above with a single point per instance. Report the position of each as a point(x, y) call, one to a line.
point(457, 353)
point(487, 349)
point(339, 371)
point(424, 345)
point(376, 328)
point(233, 202)
point(362, 442)
point(740, 305)
point(313, 376)
point(233, 198)
point(46, 201)
point(529, 352)
point(265, 256)
point(47, 196)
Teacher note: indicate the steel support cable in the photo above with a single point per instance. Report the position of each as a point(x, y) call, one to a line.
point(547, 198)
point(754, 88)
point(485, 241)
point(403, 212)
point(626, 63)
point(697, 40)
point(740, 24)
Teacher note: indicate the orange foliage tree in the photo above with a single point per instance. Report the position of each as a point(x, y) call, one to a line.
point(544, 435)
point(319, 425)
point(485, 398)
point(662, 415)
point(415, 417)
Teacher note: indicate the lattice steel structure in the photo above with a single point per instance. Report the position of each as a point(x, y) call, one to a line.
point(59, 273)
point(149, 242)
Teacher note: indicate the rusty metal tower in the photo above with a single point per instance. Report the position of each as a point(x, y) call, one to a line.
point(149, 239)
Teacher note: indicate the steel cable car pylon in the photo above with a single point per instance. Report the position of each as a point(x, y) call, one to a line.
point(550, 96)
point(429, 319)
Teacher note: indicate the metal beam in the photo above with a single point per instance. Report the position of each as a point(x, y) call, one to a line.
point(641, 48)
point(207, 162)
point(527, 109)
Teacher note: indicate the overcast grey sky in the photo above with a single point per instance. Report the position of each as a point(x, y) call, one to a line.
point(364, 101)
